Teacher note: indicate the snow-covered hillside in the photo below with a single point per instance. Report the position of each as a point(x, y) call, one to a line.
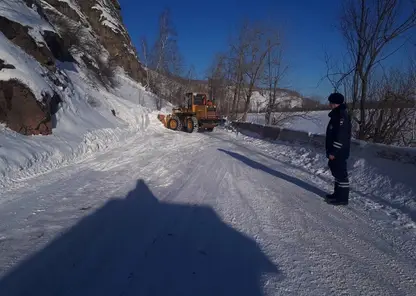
point(89, 116)
point(84, 124)
point(259, 100)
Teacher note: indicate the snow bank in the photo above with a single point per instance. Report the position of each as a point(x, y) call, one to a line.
point(400, 154)
point(382, 180)
point(84, 125)
point(312, 122)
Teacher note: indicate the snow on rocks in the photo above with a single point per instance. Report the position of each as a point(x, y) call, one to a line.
point(88, 119)
point(19, 12)
point(27, 69)
point(84, 125)
point(108, 17)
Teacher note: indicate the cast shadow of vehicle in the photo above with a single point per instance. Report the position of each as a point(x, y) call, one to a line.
point(141, 246)
point(259, 166)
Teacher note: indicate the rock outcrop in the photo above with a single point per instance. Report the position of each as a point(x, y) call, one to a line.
point(21, 111)
point(48, 32)
point(103, 18)
point(19, 35)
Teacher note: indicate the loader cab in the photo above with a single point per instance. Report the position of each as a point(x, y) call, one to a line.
point(196, 101)
point(200, 99)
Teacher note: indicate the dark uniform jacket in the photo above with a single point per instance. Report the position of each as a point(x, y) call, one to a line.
point(338, 133)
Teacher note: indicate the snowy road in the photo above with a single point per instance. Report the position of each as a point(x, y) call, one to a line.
point(202, 214)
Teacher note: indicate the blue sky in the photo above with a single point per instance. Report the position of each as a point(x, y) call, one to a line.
point(203, 28)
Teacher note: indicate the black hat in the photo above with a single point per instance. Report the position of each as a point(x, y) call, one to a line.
point(336, 98)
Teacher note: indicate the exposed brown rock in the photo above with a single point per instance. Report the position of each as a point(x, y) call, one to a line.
point(21, 112)
point(19, 108)
point(19, 35)
point(65, 9)
point(57, 47)
point(114, 42)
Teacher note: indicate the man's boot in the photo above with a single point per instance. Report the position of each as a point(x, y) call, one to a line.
point(341, 196)
point(332, 196)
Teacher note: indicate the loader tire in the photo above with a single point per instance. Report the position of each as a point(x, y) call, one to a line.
point(175, 123)
point(192, 124)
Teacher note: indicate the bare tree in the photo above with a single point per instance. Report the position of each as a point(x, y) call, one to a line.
point(145, 59)
point(275, 70)
point(165, 59)
point(283, 118)
point(190, 76)
point(246, 61)
point(390, 120)
point(236, 66)
point(218, 83)
point(184, 86)
point(260, 42)
point(369, 28)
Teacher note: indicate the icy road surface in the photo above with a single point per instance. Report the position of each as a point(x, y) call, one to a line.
point(203, 214)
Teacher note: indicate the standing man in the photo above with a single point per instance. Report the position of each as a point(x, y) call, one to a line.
point(338, 138)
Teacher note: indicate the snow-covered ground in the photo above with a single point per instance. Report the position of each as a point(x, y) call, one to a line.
point(171, 213)
point(84, 124)
point(313, 122)
point(119, 205)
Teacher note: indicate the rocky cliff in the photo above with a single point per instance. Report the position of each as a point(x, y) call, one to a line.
point(39, 39)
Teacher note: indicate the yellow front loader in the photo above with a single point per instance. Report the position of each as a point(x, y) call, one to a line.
point(197, 114)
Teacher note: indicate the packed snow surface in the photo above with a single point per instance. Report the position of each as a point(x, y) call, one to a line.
point(172, 213)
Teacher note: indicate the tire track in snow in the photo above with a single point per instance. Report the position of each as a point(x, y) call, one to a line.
point(62, 188)
point(333, 229)
point(319, 249)
point(350, 246)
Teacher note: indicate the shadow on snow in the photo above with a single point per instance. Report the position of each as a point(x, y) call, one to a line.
point(141, 246)
point(259, 166)
point(377, 199)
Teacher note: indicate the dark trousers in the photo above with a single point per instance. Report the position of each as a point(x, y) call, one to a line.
point(338, 169)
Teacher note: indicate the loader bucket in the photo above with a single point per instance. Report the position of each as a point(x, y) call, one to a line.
point(162, 118)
